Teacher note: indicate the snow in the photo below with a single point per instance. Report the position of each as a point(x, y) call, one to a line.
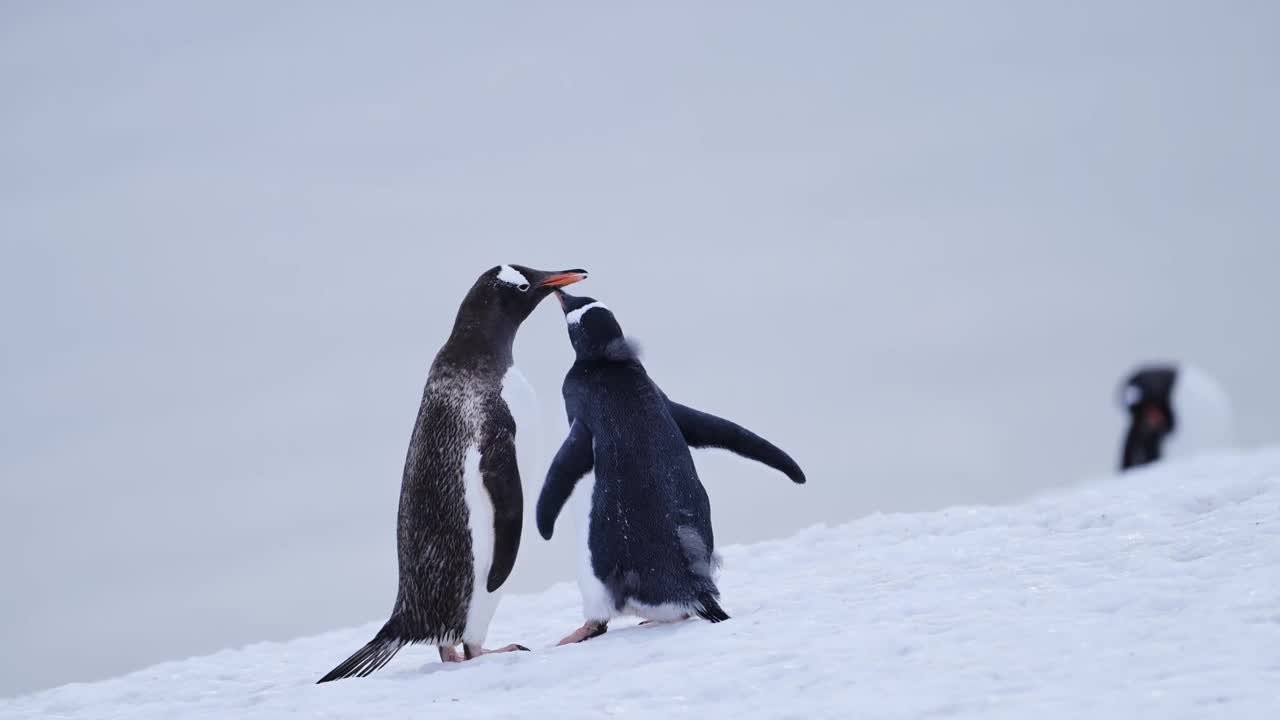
point(574, 317)
point(1154, 594)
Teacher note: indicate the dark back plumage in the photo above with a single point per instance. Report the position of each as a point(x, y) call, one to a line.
point(432, 531)
point(462, 409)
point(651, 538)
point(650, 534)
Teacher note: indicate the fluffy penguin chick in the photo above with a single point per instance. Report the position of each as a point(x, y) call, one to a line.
point(461, 504)
point(644, 520)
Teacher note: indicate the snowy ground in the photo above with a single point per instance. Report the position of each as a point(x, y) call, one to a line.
point(1152, 595)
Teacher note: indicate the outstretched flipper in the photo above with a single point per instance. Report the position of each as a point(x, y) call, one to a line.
point(706, 430)
point(501, 478)
point(574, 459)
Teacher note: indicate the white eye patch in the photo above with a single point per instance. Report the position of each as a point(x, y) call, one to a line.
point(1132, 395)
point(512, 276)
point(575, 317)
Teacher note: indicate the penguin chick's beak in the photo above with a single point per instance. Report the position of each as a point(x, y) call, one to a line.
point(561, 279)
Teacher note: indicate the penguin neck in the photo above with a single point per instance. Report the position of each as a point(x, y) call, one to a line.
point(617, 351)
point(482, 337)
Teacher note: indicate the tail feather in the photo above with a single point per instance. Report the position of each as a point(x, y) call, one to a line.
point(367, 659)
point(709, 609)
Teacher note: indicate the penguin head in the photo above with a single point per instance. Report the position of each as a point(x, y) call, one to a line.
point(1173, 410)
point(593, 330)
point(500, 300)
point(511, 292)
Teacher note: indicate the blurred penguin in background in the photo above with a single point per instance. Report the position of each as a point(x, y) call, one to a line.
point(1174, 411)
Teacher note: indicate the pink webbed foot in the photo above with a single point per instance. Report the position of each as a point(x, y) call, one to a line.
point(449, 654)
point(472, 652)
point(590, 629)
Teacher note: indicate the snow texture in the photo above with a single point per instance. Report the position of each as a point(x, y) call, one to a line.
point(1154, 594)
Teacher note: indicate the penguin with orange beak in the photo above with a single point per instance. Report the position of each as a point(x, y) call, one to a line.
point(461, 501)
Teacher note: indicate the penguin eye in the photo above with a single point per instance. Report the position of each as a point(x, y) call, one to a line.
point(523, 287)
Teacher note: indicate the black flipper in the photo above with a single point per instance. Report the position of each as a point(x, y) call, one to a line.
point(501, 477)
point(706, 430)
point(1141, 446)
point(371, 657)
point(709, 609)
point(574, 459)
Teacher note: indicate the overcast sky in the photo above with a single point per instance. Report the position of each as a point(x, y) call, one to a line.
point(915, 244)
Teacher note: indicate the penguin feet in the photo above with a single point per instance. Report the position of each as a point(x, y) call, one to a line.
point(665, 622)
point(449, 654)
point(471, 652)
point(590, 629)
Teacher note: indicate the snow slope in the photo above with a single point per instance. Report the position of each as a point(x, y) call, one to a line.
point(1154, 594)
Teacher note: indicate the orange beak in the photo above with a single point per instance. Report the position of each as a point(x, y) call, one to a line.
point(559, 280)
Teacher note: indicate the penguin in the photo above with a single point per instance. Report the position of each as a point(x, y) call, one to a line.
point(461, 502)
point(646, 546)
point(1173, 411)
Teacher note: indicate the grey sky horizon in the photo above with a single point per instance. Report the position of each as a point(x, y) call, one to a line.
point(916, 246)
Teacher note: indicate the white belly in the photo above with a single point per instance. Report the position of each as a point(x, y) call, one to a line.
point(483, 603)
point(596, 603)
point(523, 404)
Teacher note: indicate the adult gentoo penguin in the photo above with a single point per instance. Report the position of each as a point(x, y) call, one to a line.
point(1173, 411)
point(461, 504)
point(645, 542)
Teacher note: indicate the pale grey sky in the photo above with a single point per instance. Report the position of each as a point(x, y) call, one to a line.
point(915, 244)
